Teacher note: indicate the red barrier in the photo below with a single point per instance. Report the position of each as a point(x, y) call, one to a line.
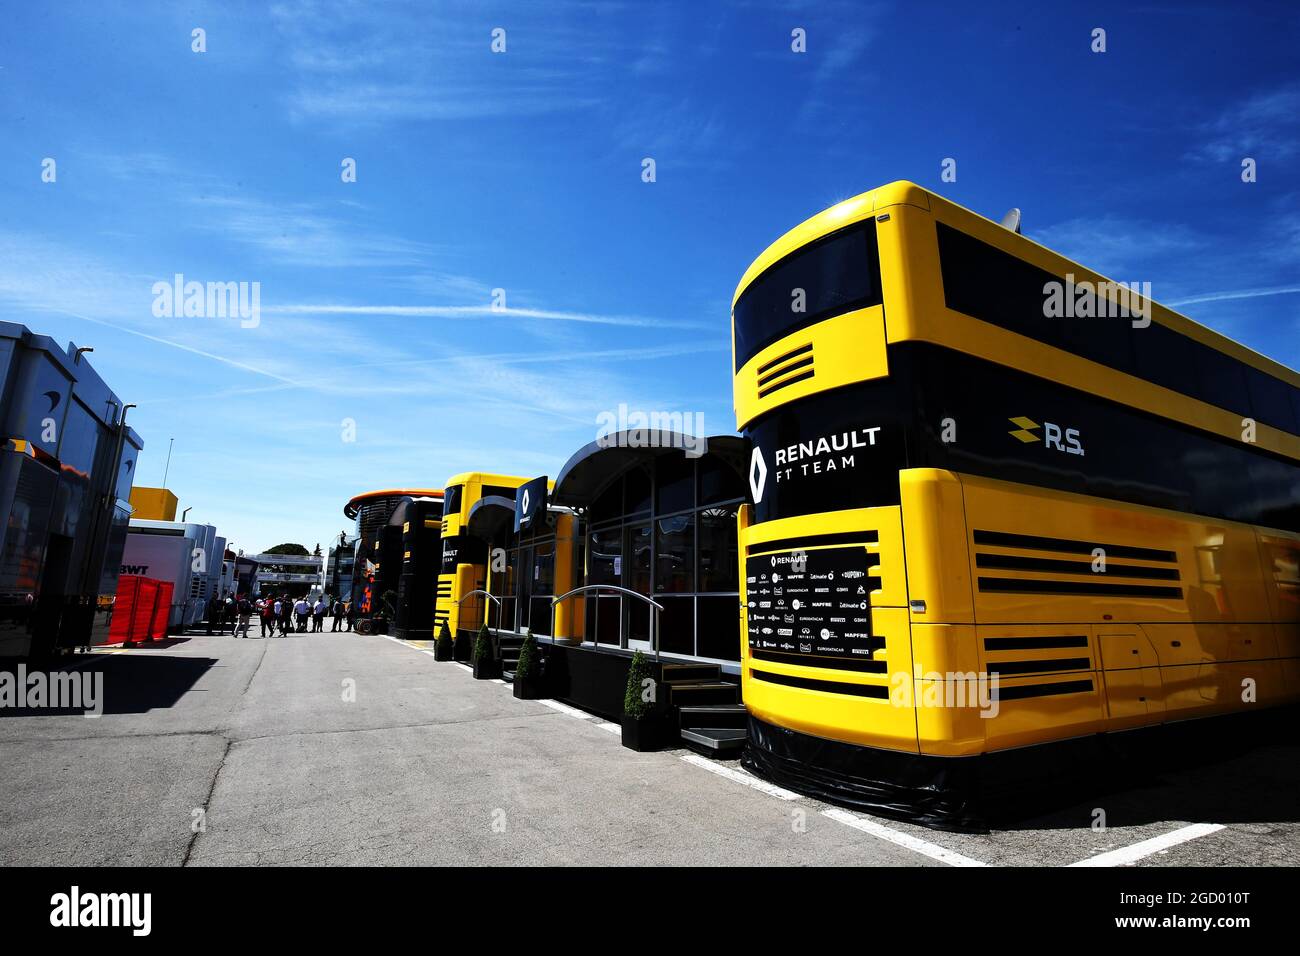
point(142, 613)
point(128, 591)
point(141, 609)
point(162, 610)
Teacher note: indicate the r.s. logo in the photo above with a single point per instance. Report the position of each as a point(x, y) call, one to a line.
point(1065, 440)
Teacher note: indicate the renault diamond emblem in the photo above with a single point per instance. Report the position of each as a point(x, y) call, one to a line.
point(757, 474)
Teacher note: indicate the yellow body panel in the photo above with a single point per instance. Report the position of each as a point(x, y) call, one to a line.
point(1206, 621)
point(846, 348)
point(1144, 660)
point(915, 311)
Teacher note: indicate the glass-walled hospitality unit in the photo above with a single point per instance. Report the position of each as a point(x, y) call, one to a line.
point(651, 521)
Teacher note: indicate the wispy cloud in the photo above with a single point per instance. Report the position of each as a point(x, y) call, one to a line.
point(302, 234)
point(1265, 126)
point(425, 63)
point(483, 312)
point(1117, 246)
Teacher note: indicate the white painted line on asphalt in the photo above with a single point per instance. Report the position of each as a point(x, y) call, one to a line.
point(566, 709)
point(739, 776)
point(899, 838)
point(1127, 856)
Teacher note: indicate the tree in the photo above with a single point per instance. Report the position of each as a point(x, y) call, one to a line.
point(289, 549)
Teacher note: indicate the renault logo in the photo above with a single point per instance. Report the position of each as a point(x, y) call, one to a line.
point(1024, 432)
point(757, 474)
point(524, 504)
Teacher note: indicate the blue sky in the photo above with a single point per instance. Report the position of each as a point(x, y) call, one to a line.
point(522, 171)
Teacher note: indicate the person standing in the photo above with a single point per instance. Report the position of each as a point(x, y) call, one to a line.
point(352, 613)
point(214, 613)
point(244, 608)
point(318, 615)
point(302, 609)
point(267, 614)
point(286, 614)
point(337, 613)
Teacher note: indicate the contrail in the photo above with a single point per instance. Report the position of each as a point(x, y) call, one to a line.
point(478, 312)
point(1242, 294)
point(177, 345)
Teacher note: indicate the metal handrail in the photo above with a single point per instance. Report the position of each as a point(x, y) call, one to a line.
point(654, 617)
point(489, 596)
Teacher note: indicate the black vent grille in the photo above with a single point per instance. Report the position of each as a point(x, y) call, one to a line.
point(794, 366)
point(1119, 579)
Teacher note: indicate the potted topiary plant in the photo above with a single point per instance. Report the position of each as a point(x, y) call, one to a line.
point(442, 647)
point(486, 664)
point(643, 723)
point(528, 672)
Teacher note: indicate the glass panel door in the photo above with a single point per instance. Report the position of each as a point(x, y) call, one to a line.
point(637, 545)
point(605, 566)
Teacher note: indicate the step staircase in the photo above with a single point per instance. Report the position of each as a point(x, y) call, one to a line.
point(508, 646)
point(710, 716)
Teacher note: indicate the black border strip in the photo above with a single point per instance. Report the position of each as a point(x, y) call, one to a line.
point(1007, 539)
point(863, 538)
point(1029, 586)
point(811, 660)
point(1036, 667)
point(829, 686)
point(1034, 643)
point(1019, 562)
point(1041, 690)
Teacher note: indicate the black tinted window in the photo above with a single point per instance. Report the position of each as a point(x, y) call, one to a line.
point(836, 274)
point(984, 282)
point(451, 500)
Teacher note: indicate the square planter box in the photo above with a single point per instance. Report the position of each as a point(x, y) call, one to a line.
point(531, 689)
point(487, 670)
point(442, 651)
point(644, 734)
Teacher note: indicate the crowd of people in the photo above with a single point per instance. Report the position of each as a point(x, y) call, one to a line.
point(277, 613)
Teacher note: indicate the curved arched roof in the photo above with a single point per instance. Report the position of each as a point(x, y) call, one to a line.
point(350, 509)
point(592, 467)
point(489, 515)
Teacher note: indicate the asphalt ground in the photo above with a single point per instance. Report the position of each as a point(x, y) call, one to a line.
point(338, 749)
